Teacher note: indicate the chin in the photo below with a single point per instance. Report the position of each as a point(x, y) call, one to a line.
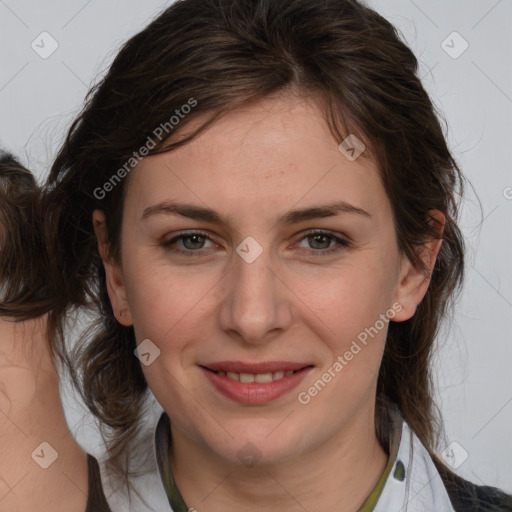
point(251, 446)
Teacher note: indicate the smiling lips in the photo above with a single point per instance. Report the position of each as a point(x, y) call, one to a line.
point(255, 383)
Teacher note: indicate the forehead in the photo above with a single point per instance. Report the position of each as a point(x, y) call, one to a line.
point(273, 152)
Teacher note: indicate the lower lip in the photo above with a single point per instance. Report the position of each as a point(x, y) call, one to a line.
point(254, 392)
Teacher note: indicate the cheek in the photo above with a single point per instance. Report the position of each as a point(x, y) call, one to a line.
point(162, 310)
point(167, 305)
point(353, 298)
point(156, 302)
point(356, 305)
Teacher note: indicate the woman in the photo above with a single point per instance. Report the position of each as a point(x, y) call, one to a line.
point(41, 466)
point(290, 348)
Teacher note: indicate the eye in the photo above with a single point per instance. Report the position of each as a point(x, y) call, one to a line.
point(192, 242)
point(320, 242)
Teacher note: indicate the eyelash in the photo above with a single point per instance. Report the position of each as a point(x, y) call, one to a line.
point(342, 243)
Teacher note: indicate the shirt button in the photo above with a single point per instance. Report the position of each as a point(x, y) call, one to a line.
point(399, 473)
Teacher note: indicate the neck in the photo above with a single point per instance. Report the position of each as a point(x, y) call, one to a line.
point(31, 413)
point(339, 475)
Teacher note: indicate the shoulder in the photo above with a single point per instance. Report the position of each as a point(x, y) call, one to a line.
point(438, 487)
point(469, 497)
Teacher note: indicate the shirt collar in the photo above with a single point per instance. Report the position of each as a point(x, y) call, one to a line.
point(414, 484)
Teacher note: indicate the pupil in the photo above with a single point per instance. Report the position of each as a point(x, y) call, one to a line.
point(195, 238)
point(316, 237)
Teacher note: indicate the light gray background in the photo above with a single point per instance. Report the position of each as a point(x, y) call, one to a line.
point(39, 97)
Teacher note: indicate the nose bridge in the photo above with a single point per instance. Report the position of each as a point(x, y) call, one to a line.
point(254, 303)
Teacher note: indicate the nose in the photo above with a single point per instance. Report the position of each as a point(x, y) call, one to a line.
point(256, 304)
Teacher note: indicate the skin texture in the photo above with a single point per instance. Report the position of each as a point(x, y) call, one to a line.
point(31, 413)
point(290, 304)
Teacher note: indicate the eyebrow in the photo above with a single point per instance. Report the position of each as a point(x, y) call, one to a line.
point(292, 217)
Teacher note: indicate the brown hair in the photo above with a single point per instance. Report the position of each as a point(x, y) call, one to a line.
point(26, 290)
point(23, 265)
point(223, 53)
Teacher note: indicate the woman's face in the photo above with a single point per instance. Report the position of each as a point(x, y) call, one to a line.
point(251, 293)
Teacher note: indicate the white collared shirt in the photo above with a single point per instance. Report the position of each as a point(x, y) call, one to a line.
point(422, 489)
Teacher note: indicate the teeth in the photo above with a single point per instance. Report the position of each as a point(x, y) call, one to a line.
point(246, 378)
point(260, 378)
point(263, 378)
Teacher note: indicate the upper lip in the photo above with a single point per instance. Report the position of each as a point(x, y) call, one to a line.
point(262, 367)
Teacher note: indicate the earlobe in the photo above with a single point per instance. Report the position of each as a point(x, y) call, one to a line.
point(113, 274)
point(414, 282)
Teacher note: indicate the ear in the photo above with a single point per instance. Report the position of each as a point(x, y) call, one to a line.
point(413, 283)
point(114, 276)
